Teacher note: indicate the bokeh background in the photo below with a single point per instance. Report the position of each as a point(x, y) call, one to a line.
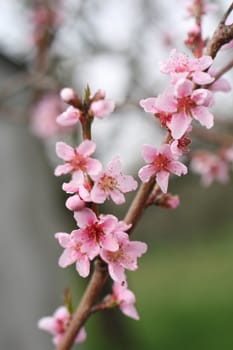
point(184, 286)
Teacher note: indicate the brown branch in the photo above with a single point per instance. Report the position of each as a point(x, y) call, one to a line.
point(90, 296)
point(138, 204)
point(222, 35)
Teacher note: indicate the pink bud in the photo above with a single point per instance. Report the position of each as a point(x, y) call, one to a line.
point(67, 94)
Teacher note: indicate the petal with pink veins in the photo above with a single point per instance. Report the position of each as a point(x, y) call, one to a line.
point(64, 151)
point(178, 168)
point(83, 266)
point(86, 148)
point(93, 166)
point(68, 257)
point(149, 153)
point(183, 88)
point(162, 180)
point(117, 273)
point(149, 105)
point(203, 115)
point(117, 196)
point(63, 169)
point(179, 124)
point(202, 78)
point(64, 239)
point(146, 172)
point(85, 217)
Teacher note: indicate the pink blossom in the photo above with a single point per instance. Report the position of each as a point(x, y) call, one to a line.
point(150, 105)
point(180, 66)
point(181, 146)
point(123, 258)
point(57, 324)
point(168, 201)
point(80, 188)
point(67, 94)
point(102, 108)
point(43, 117)
point(210, 167)
point(72, 253)
point(227, 154)
point(77, 160)
point(112, 183)
point(70, 117)
point(125, 299)
point(197, 8)
point(161, 162)
point(184, 103)
point(75, 203)
point(95, 234)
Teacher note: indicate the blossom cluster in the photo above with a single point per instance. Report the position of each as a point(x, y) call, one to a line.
point(212, 166)
point(188, 97)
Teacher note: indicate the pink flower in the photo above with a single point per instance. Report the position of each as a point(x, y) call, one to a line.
point(75, 203)
point(125, 299)
point(80, 188)
point(196, 8)
point(180, 66)
point(181, 146)
point(150, 106)
point(166, 200)
point(102, 108)
point(112, 183)
point(57, 324)
point(161, 163)
point(210, 167)
point(67, 94)
point(72, 253)
point(184, 103)
point(43, 118)
point(95, 234)
point(123, 258)
point(77, 160)
point(70, 117)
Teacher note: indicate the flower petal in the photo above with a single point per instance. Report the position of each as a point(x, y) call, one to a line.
point(85, 217)
point(146, 172)
point(64, 151)
point(162, 180)
point(203, 115)
point(86, 148)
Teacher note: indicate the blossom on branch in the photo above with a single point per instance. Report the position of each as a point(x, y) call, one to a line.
point(57, 325)
point(210, 166)
point(161, 162)
point(95, 233)
point(72, 253)
point(125, 299)
point(112, 183)
point(181, 66)
point(123, 258)
point(77, 160)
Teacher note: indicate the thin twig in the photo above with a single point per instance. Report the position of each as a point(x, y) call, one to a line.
point(223, 70)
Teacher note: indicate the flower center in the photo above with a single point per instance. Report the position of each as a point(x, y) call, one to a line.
point(185, 104)
point(107, 183)
point(161, 162)
point(116, 256)
point(78, 162)
point(95, 232)
point(163, 118)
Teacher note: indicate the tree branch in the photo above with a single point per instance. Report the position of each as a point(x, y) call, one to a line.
point(222, 35)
